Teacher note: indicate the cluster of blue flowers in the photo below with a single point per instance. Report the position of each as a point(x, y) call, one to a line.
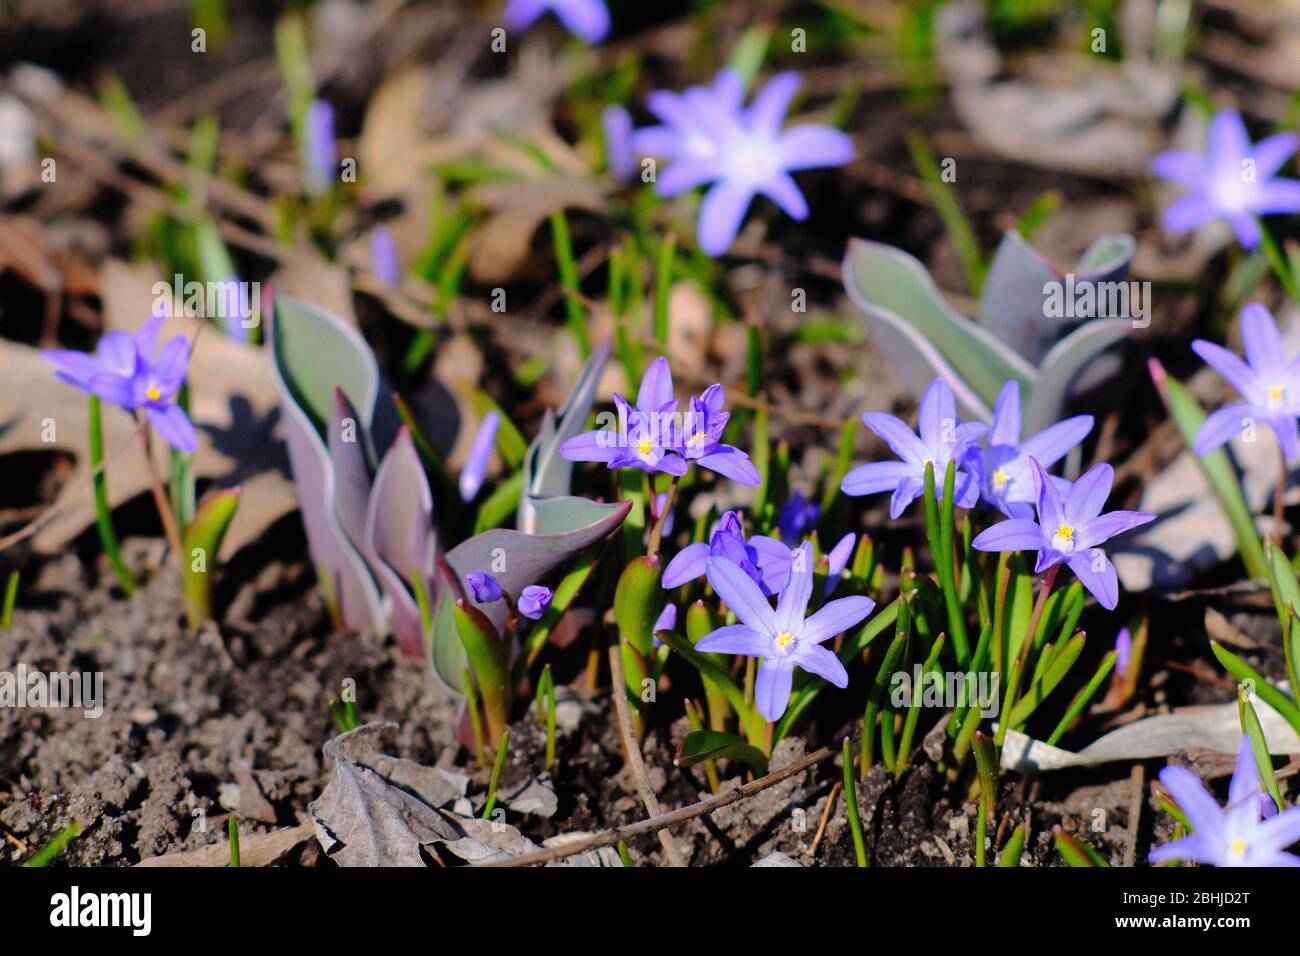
point(653, 437)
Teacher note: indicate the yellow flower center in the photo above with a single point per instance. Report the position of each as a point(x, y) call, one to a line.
point(1000, 479)
point(153, 393)
point(696, 438)
point(1064, 537)
point(643, 446)
point(784, 640)
point(1275, 395)
point(1237, 848)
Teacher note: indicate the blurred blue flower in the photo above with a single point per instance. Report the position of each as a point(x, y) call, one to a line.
point(1234, 181)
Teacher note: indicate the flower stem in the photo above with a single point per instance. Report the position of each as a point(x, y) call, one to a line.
point(1282, 475)
point(657, 532)
point(1049, 579)
point(103, 516)
point(161, 499)
point(1280, 265)
point(938, 529)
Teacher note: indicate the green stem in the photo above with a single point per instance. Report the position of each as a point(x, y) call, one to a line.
point(939, 530)
point(568, 269)
point(103, 516)
point(502, 746)
point(657, 532)
point(851, 805)
point(1278, 263)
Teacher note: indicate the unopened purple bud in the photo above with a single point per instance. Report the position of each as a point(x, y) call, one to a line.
point(798, 515)
point(619, 151)
point(666, 621)
point(322, 156)
point(484, 588)
point(471, 476)
point(1123, 647)
point(383, 256)
point(534, 600)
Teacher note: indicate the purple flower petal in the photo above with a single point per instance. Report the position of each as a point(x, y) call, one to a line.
point(836, 617)
point(686, 174)
point(667, 619)
point(938, 413)
point(900, 439)
point(1054, 442)
point(908, 490)
point(1188, 213)
point(656, 387)
point(117, 353)
point(1050, 512)
point(174, 426)
point(1279, 832)
point(1192, 849)
point(1014, 534)
point(1236, 372)
point(837, 560)
point(1222, 426)
point(1272, 153)
point(1088, 495)
point(1198, 806)
point(586, 19)
point(687, 565)
point(1110, 525)
point(721, 213)
point(114, 388)
point(1227, 142)
point(783, 191)
point(1184, 168)
point(1245, 783)
point(814, 147)
point(521, 14)
point(599, 445)
point(1261, 340)
point(732, 463)
point(169, 370)
point(820, 661)
point(1245, 228)
point(1097, 574)
point(1277, 197)
point(1005, 429)
point(146, 341)
point(767, 112)
point(1288, 437)
point(772, 688)
point(793, 602)
point(741, 594)
point(735, 639)
point(875, 477)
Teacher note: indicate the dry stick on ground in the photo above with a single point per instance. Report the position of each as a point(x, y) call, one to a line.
point(826, 816)
point(1139, 780)
point(669, 819)
point(634, 753)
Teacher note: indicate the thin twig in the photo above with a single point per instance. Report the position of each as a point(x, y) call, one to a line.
point(634, 753)
point(1138, 778)
point(826, 816)
point(669, 819)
